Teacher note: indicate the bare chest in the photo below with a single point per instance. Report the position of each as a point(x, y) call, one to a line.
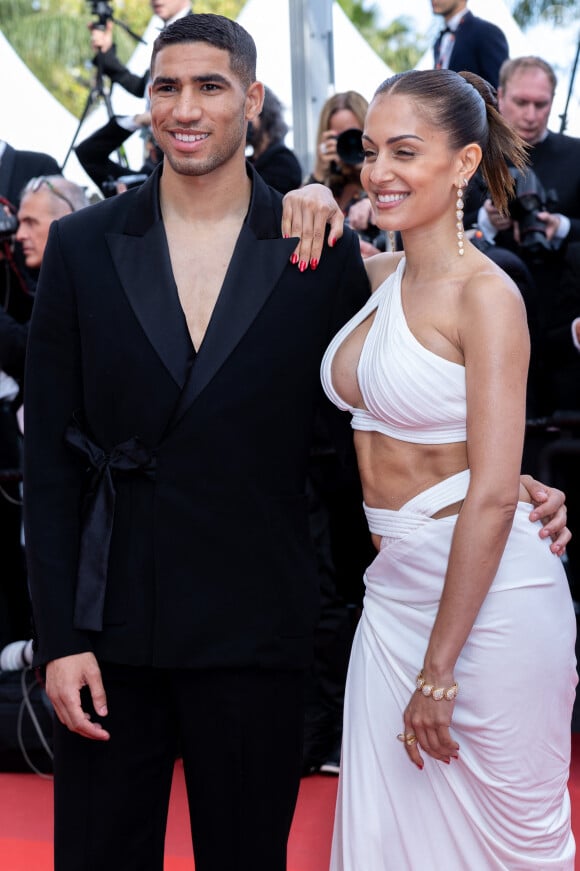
point(199, 261)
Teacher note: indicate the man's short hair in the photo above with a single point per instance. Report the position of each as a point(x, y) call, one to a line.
point(216, 30)
point(514, 65)
point(60, 187)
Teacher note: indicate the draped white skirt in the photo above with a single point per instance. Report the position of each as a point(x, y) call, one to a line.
point(504, 803)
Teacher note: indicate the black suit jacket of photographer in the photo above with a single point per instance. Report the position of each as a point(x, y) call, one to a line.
point(16, 169)
point(211, 563)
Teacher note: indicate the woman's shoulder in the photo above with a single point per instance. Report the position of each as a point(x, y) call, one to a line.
point(381, 266)
point(487, 286)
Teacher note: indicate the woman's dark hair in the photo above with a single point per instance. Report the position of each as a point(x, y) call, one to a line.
point(214, 30)
point(465, 106)
point(272, 122)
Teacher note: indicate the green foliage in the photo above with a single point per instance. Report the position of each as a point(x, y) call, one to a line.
point(398, 45)
point(528, 12)
point(52, 38)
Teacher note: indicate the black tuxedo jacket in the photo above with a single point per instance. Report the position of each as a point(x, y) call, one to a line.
point(479, 47)
point(210, 560)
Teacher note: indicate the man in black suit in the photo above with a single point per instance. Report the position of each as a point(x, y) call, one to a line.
point(467, 42)
point(175, 351)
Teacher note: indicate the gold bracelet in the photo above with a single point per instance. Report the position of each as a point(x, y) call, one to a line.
point(437, 693)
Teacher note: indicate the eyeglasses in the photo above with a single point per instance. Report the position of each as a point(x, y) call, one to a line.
point(35, 184)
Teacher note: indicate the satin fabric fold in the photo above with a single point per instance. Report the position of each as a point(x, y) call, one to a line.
point(98, 516)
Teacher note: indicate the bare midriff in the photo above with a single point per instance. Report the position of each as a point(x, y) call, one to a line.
point(392, 471)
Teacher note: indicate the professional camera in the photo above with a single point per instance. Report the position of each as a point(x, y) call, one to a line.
point(349, 146)
point(529, 199)
point(132, 180)
point(8, 224)
point(103, 11)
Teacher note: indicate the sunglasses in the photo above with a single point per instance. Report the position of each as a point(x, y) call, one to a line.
point(35, 184)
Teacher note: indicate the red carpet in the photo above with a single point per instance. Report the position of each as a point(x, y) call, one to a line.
point(26, 822)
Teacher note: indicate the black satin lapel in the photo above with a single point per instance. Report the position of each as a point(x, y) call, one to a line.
point(144, 268)
point(254, 270)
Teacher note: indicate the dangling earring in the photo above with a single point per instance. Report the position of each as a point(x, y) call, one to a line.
point(459, 215)
point(392, 240)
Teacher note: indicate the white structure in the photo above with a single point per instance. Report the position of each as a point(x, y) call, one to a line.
point(356, 66)
point(31, 119)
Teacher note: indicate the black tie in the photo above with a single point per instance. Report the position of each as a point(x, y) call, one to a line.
point(438, 46)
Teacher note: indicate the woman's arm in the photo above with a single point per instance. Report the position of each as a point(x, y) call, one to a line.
point(494, 339)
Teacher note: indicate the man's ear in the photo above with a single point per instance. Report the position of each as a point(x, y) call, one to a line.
point(254, 100)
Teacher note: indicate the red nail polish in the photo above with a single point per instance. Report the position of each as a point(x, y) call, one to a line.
point(419, 766)
point(303, 265)
point(313, 263)
point(294, 259)
point(331, 242)
point(446, 761)
point(286, 236)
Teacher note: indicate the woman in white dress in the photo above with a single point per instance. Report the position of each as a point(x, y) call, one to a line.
point(456, 743)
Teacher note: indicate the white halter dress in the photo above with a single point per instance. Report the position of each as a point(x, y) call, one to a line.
point(503, 805)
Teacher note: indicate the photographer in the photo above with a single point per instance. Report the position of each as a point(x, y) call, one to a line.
point(94, 154)
point(43, 200)
point(16, 167)
point(543, 229)
point(102, 42)
point(545, 213)
point(339, 158)
point(525, 96)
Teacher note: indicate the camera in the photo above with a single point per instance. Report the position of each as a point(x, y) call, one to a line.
point(132, 180)
point(349, 146)
point(103, 11)
point(529, 199)
point(8, 224)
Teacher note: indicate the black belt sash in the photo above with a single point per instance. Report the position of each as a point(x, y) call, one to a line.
point(98, 517)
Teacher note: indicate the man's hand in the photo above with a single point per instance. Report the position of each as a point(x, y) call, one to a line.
point(550, 508)
point(306, 213)
point(142, 119)
point(65, 677)
point(552, 223)
point(101, 37)
point(498, 220)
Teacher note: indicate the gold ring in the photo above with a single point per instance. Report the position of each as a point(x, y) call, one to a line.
point(407, 738)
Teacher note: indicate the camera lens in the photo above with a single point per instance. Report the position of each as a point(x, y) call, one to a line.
point(349, 146)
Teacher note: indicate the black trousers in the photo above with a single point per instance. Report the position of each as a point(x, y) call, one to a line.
point(240, 735)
